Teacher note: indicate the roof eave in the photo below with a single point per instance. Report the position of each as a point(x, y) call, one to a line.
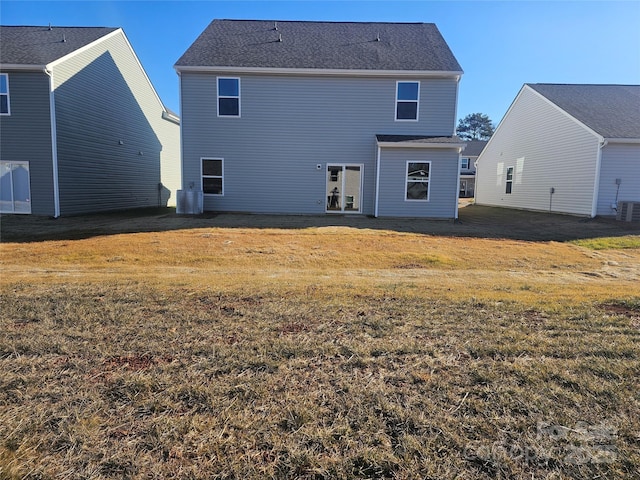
point(410, 144)
point(18, 66)
point(323, 71)
point(622, 140)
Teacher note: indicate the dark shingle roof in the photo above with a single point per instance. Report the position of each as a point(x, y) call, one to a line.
point(40, 45)
point(612, 111)
point(321, 45)
point(474, 148)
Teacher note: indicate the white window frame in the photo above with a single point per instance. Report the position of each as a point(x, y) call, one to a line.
point(4, 207)
point(406, 181)
point(218, 97)
point(508, 183)
point(417, 102)
point(464, 160)
point(203, 176)
point(8, 112)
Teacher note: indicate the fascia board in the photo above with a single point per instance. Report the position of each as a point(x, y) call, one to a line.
point(4, 67)
point(118, 31)
point(88, 46)
point(458, 146)
point(634, 141)
point(322, 71)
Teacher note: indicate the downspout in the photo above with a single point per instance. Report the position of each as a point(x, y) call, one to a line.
point(375, 214)
point(596, 184)
point(458, 184)
point(54, 144)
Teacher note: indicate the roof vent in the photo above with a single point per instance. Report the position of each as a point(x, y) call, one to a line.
point(275, 25)
point(64, 38)
point(279, 37)
point(378, 38)
point(50, 28)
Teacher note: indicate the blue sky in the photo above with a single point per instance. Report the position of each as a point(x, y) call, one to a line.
point(500, 45)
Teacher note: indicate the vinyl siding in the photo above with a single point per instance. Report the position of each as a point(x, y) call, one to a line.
point(557, 152)
point(102, 99)
point(289, 125)
point(443, 183)
point(25, 135)
point(618, 161)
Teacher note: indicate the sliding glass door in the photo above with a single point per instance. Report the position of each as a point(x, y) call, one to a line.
point(344, 188)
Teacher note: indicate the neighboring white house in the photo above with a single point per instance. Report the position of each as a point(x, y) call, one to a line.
point(468, 167)
point(321, 117)
point(571, 149)
point(81, 127)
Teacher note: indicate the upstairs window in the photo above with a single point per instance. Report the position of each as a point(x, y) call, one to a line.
point(464, 163)
point(418, 181)
point(4, 94)
point(212, 176)
point(228, 97)
point(407, 95)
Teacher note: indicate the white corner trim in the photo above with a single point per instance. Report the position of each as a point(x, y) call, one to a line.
point(54, 145)
point(375, 213)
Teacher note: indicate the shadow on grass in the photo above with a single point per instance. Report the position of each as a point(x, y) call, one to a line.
point(474, 221)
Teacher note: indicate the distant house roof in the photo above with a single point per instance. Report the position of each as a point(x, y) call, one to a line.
point(321, 45)
point(474, 148)
point(28, 45)
point(612, 111)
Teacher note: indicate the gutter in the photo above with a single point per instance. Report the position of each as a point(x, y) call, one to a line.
point(322, 71)
point(54, 143)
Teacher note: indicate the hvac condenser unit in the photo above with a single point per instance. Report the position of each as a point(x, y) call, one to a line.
point(628, 211)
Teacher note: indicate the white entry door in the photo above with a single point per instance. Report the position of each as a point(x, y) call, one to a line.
point(15, 189)
point(344, 188)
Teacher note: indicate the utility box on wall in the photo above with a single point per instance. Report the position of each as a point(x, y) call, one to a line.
point(189, 202)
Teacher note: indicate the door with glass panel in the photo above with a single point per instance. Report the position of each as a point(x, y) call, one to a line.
point(344, 188)
point(15, 189)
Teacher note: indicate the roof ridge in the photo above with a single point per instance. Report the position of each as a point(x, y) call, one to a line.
point(318, 21)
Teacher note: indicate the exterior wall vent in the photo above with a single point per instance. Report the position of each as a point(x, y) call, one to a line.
point(628, 211)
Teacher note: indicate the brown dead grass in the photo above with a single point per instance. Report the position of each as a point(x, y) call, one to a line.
point(320, 352)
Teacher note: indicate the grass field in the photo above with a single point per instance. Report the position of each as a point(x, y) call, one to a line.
point(317, 350)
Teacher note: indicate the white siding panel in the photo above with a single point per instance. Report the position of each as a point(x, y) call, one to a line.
point(102, 99)
point(289, 125)
point(619, 161)
point(558, 153)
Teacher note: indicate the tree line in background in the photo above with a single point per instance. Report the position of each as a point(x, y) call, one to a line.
point(475, 126)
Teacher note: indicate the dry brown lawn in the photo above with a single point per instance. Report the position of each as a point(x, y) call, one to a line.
point(251, 347)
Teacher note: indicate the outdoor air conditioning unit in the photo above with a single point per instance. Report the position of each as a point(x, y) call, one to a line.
point(628, 211)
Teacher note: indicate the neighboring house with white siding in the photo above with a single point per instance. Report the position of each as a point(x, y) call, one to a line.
point(468, 167)
point(571, 149)
point(81, 127)
point(321, 117)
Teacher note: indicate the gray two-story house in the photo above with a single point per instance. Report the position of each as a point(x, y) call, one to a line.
point(81, 127)
point(302, 117)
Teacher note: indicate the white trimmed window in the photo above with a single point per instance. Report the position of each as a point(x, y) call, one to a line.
point(407, 95)
point(509, 180)
point(464, 163)
point(213, 176)
point(4, 94)
point(417, 184)
point(228, 97)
